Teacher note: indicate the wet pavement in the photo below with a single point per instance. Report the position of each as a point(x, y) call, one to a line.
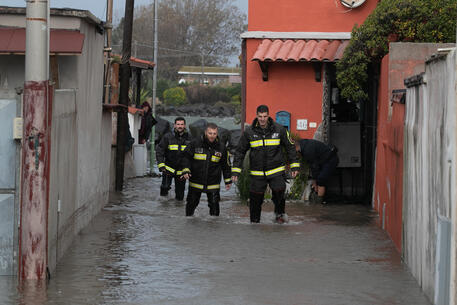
point(141, 249)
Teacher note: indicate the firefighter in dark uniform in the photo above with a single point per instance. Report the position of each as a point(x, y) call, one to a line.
point(206, 160)
point(169, 153)
point(266, 140)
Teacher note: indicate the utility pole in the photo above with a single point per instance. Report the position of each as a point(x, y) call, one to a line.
point(154, 85)
point(108, 49)
point(33, 229)
point(122, 119)
point(202, 61)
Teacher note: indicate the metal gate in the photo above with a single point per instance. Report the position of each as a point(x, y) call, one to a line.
point(9, 164)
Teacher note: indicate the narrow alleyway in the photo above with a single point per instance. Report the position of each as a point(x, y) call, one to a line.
point(142, 250)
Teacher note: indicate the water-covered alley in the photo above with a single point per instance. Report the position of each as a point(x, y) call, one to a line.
point(142, 250)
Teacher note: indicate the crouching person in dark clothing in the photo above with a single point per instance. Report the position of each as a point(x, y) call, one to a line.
point(322, 160)
point(205, 161)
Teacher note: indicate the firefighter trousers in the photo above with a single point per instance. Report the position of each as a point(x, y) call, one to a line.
point(193, 199)
point(257, 190)
point(166, 186)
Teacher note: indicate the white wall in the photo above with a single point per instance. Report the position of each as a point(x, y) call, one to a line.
point(429, 167)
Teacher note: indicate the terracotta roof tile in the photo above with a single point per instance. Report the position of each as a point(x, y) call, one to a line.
point(300, 50)
point(296, 50)
point(270, 55)
point(307, 51)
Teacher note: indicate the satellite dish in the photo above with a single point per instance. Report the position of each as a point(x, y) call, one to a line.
point(352, 3)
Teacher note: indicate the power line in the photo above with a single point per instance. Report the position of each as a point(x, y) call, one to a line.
point(168, 49)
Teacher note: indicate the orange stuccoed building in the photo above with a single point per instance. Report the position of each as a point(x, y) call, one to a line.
point(288, 61)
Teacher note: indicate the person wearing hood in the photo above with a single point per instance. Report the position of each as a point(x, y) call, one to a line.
point(205, 161)
point(266, 140)
point(169, 153)
point(147, 121)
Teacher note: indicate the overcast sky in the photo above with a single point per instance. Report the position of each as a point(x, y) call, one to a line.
point(98, 7)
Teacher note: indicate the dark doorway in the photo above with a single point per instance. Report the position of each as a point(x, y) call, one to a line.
point(352, 129)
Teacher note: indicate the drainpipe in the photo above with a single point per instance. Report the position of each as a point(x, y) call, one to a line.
point(35, 145)
point(154, 87)
point(243, 83)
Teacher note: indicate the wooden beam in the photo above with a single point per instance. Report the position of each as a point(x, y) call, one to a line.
point(264, 67)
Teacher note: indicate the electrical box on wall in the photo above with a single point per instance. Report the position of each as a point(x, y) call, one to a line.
point(346, 137)
point(283, 118)
point(17, 128)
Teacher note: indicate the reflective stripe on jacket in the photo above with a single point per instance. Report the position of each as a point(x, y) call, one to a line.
point(170, 151)
point(266, 157)
point(207, 163)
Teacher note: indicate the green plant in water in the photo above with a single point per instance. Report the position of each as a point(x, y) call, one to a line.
point(299, 183)
point(242, 185)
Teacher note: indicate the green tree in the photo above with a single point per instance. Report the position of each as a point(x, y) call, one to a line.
point(174, 96)
point(188, 30)
point(392, 20)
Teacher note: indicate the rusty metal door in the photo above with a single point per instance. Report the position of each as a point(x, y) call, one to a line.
point(8, 181)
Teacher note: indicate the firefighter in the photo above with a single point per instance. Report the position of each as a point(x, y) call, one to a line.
point(266, 140)
point(206, 160)
point(169, 153)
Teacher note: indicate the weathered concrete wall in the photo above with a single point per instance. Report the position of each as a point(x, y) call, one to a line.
point(93, 137)
point(429, 166)
point(389, 158)
point(404, 60)
point(10, 160)
point(81, 143)
point(64, 164)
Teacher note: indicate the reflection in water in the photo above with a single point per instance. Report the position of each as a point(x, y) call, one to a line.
point(142, 250)
point(32, 292)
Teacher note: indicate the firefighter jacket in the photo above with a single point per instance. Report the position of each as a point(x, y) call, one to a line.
point(170, 151)
point(266, 147)
point(206, 162)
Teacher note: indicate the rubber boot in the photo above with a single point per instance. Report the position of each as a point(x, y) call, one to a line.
point(163, 191)
point(255, 206)
point(279, 202)
point(280, 206)
point(180, 185)
point(193, 198)
point(213, 208)
point(165, 186)
point(213, 203)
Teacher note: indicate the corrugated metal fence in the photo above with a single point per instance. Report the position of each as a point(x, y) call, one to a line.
point(9, 165)
point(429, 172)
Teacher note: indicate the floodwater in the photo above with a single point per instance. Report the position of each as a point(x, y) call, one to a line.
point(142, 250)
